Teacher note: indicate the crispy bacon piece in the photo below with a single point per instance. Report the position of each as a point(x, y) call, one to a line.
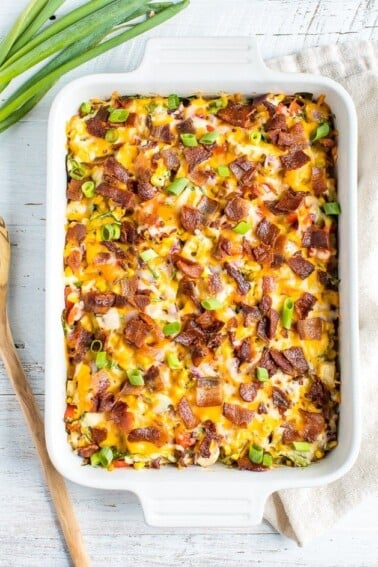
point(318, 393)
point(129, 234)
point(225, 247)
point(151, 434)
point(248, 392)
point(210, 435)
point(121, 416)
point(76, 233)
point(267, 326)
point(237, 114)
point(314, 424)
point(282, 362)
point(315, 237)
point(294, 160)
point(251, 313)
point(277, 122)
point(74, 189)
point(208, 392)
point(244, 351)
point(301, 267)
point(153, 380)
point(186, 127)
point(237, 414)
point(265, 304)
point(280, 400)
point(214, 283)
point(296, 357)
point(98, 434)
point(188, 287)
point(113, 170)
point(288, 202)
point(295, 137)
point(87, 451)
point(290, 434)
point(100, 382)
point(190, 218)
point(242, 284)
point(263, 254)
point(97, 302)
point(98, 124)
point(236, 208)
point(186, 413)
point(78, 343)
point(162, 133)
point(207, 207)
point(105, 402)
point(245, 464)
point(123, 197)
point(188, 267)
point(136, 331)
point(304, 305)
point(267, 232)
point(240, 167)
point(268, 284)
point(171, 159)
point(196, 155)
point(198, 352)
point(267, 362)
point(310, 329)
point(318, 180)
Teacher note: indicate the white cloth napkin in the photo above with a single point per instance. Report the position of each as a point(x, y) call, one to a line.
point(306, 513)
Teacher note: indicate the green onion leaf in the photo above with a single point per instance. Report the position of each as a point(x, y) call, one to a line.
point(173, 102)
point(148, 255)
point(209, 138)
point(211, 304)
point(88, 188)
point(85, 108)
point(262, 374)
point(223, 171)
point(321, 132)
point(332, 208)
point(216, 105)
point(111, 135)
point(267, 460)
point(102, 360)
point(173, 361)
point(178, 186)
point(103, 457)
point(302, 446)
point(255, 137)
point(287, 313)
point(135, 377)
point(76, 170)
point(96, 345)
point(242, 227)
point(171, 328)
point(119, 115)
point(256, 454)
point(107, 232)
point(116, 231)
point(189, 140)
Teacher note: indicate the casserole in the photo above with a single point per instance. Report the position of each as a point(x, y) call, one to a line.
point(214, 496)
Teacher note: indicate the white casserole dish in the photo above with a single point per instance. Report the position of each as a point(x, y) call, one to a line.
point(217, 496)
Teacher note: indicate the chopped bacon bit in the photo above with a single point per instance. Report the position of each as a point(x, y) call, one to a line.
point(263, 253)
point(207, 207)
point(267, 327)
point(236, 208)
point(98, 434)
point(277, 122)
point(145, 189)
point(288, 202)
point(304, 305)
point(237, 114)
point(294, 160)
point(267, 232)
point(208, 392)
point(282, 362)
point(296, 357)
point(280, 400)
point(162, 133)
point(78, 342)
point(98, 303)
point(310, 329)
point(225, 247)
point(114, 171)
point(199, 351)
point(186, 413)
point(290, 434)
point(301, 267)
point(129, 233)
point(314, 424)
point(74, 260)
point(214, 283)
point(240, 167)
point(244, 352)
point(315, 237)
point(123, 197)
point(130, 390)
point(136, 331)
point(295, 137)
point(251, 313)
point(87, 451)
point(100, 382)
point(104, 402)
point(318, 393)
point(190, 218)
point(186, 127)
point(153, 380)
point(188, 267)
point(267, 362)
point(237, 414)
point(97, 125)
point(242, 284)
point(171, 159)
point(210, 435)
point(151, 434)
point(319, 180)
point(74, 189)
point(196, 155)
point(116, 250)
point(245, 464)
point(268, 284)
point(265, 304)
point(248, 392)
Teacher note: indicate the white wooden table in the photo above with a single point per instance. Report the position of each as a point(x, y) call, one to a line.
point(113, 523)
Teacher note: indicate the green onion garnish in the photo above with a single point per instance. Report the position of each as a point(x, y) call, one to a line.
point(209, 138)
point(173, 102)
point(302, 446)
point(189, 140)
point(171, 328)
point(111, 135)
point(321, 132)
point(242, 227)
point(172, 361)
point(255, 136)
point(148, 255)
point(262, 374)
point(256, 454)
point(102, 360)
point(96, 345)
point(76, 170)
point(151, 107)
point(216, 105)
point(103, 457)
point(332, 208)
point(287, 313)
point(223, 171)
point(88, 188)
point(135, 377)
point(110, 232)
point(118, 115)
point(267, 460)
point(211, 304)
point(178, 185)
point(85, 108)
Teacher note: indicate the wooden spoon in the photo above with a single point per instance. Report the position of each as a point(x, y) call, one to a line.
point(58, 489)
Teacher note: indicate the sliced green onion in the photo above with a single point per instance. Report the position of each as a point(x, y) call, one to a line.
point(173, 361)
point(216, 105)
point(211, 304)
point(85, 108)
point(262, 374)
point(302, 446)
point(267, 460)
point(287, 313)
point(148, 255)
point(96, 345)
point(178, 185)
point(173, 102)
point(76, 170)
point(223, 171)
point(119, 115)
point(171, 328)
point(256, 454)
point(255, 136)
point(321, 132)
point(116, 231)
point(332, 208)
point(135, 377)
point(189, 140)
point(88, 188)
point(103, 457)
point(111, 135)
point(102, 360)
point(242, 227)
point(151, 107)
point(209, 138)
point(107, 232)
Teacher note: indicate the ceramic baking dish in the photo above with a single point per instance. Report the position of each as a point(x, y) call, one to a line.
point(217, 496)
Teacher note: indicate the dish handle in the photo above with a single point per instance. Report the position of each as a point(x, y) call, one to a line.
point(203, 504)
point(229, 58)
